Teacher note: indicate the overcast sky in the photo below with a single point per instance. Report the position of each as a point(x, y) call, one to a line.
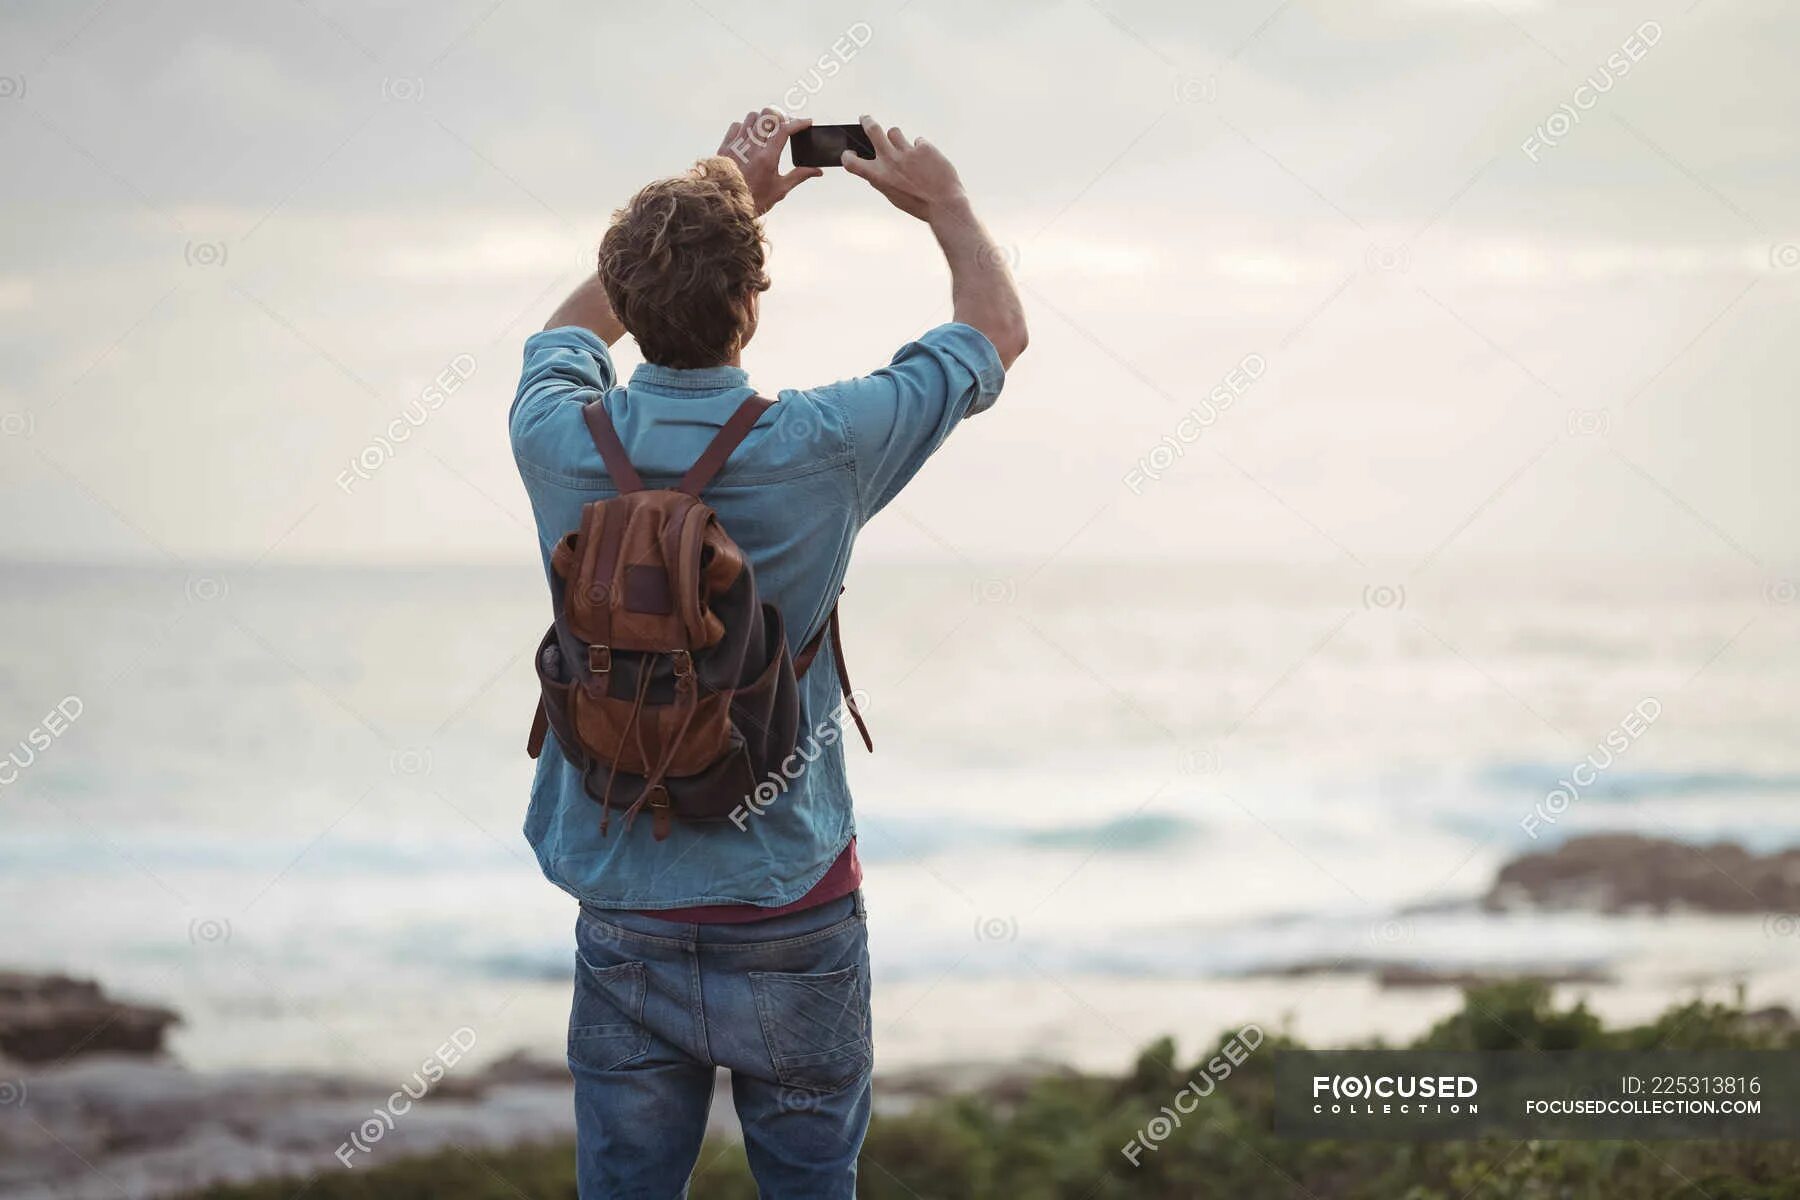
point(241, 238)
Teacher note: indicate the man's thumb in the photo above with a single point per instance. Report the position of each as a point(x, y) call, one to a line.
point(798, 176)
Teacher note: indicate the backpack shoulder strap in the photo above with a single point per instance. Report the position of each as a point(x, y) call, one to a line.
point(804, 661)
point(612, 450)
point(729, 437)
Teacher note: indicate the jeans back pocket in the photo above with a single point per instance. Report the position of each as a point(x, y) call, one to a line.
point(606, 1023)
point(816, 1026)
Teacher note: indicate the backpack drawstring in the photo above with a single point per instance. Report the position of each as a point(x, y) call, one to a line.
point(653, 781)
point(637, 707)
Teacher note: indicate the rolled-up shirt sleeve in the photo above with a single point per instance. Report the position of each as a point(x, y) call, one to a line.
point(567, 365)
point(899, 415)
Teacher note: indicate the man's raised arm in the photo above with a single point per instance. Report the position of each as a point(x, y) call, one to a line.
point(918, 180)
point(588, 307)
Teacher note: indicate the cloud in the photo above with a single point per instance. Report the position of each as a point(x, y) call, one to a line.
point(1345, 195)
point(16, 292)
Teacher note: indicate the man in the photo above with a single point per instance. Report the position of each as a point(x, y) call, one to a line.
point(740, 945)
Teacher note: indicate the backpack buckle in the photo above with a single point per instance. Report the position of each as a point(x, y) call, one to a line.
point(599, 659)
point(659, 812)
point(684, 664)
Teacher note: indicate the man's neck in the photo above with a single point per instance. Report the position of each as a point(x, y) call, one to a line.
point(736, 360)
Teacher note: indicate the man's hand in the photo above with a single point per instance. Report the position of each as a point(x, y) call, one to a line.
point(916, 178)
point(919, 181)
point(755, 144)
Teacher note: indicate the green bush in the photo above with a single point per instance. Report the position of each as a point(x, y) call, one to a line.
point(1063, 1139)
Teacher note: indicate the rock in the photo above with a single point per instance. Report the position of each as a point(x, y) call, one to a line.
point(1396, 976)
point(49, 1018)
point(1003, 1083)
point(1777, 1018)
point(1625, 872)
point(522, 1067)
point(105, 1126)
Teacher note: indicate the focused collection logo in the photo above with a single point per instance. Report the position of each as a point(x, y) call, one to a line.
point(1592, 1095)
point(1396, 1095)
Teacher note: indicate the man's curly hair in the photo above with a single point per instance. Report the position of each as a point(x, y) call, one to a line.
point(680, 263)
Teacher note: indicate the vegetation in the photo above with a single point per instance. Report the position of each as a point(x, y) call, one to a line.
point(1062, 1139)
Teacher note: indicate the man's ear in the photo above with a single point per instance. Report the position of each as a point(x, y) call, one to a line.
point(752, 311)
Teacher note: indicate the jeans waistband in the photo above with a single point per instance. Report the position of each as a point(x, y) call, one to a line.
point(790, 925)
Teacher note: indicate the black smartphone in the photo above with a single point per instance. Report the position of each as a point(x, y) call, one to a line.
point(824, 145)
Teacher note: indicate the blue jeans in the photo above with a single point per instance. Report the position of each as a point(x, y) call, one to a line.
point(783, 1004)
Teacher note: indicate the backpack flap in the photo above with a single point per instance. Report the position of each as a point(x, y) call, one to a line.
point(632, 576)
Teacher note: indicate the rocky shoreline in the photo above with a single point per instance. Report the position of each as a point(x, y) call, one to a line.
point(49, 1018)
point(104, 1126)
point(92, 1106)
point(1401, 976)
point(1627, 872)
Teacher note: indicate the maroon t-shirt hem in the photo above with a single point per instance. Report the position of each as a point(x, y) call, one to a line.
point(840, 879)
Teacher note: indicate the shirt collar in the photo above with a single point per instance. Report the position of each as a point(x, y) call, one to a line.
point(688, 379)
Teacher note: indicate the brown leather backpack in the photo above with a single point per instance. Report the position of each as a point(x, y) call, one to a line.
point(666, 679)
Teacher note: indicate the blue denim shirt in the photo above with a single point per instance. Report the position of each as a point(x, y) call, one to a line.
point(813, 470)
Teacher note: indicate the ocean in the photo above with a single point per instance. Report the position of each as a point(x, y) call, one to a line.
point(1109, 800)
